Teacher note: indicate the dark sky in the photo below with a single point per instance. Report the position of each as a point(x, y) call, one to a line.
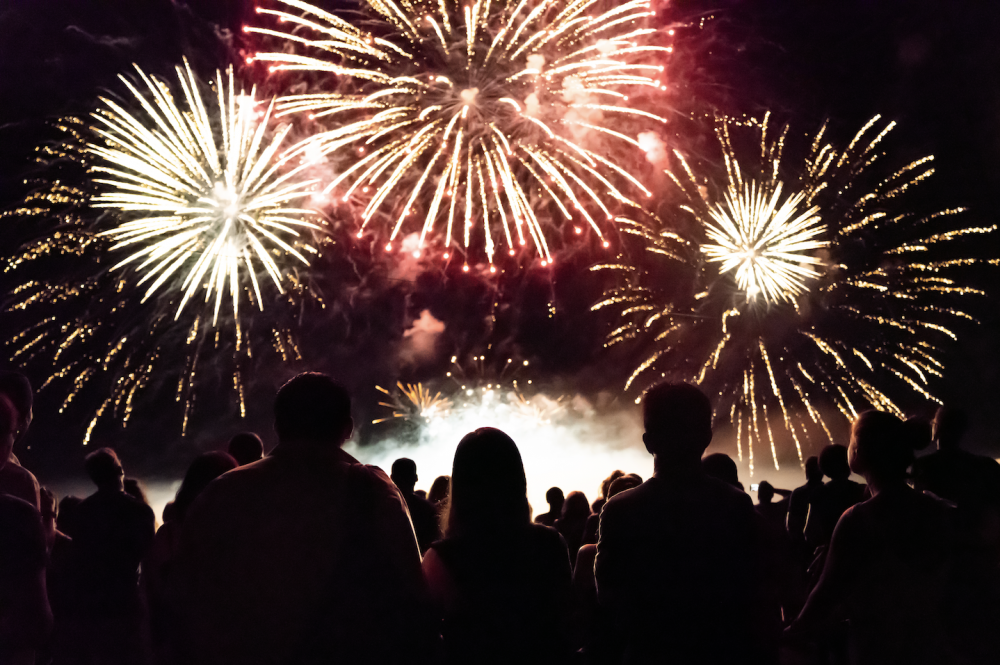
point(934, 66)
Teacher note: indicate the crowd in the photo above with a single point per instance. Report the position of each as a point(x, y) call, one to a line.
point(305, 556)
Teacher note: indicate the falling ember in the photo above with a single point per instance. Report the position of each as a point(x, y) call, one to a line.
point(814, 293)
point(489, 120)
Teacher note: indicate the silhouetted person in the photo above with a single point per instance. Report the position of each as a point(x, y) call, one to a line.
point(782, 585)
point(502, 583)
point(15, 480)
point(950, 472)
point(831, 500)
point(573, 521)
point(775, 512)
point(593, 522)
point(675, 561)
point(111, 533)
point(801, 499)
point(889, 556)
point(306, 556)
point(422, 512)
point(67, 513)
point(246, 448)
point(439, 491)
point(584, 583)
point(554, 497)
point(156, 567)
point(605, 488)
point(25, 617)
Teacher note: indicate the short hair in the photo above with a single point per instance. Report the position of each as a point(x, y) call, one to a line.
point(246, 447)
point(721, 467)
point(17, 388)
point(625, 482)
point(813, 471)
point(678, 415)
point(103, 466)
point(885, 445)
point(404, 468)
point(833, 462)
point(554, 495)
point(313, 407)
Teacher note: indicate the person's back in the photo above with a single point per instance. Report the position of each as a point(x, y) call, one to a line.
point(889, 558)
point(305, 556)
point(502, 584)
point(831, 500)
point(554, 497)
point(801, 500)
point(112, 532)
point(675, 559)
point(423, 514)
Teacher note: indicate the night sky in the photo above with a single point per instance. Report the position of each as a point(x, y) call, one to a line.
point(933, 66)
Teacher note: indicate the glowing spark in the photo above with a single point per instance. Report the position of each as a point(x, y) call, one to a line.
point(843, 320)
point(499, 107)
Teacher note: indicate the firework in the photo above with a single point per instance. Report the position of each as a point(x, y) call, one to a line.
point(180, 197)
point(413, 402)
point(812, 290)
point(491, 118)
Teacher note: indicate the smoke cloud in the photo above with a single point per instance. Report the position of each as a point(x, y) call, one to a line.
point(420, 340)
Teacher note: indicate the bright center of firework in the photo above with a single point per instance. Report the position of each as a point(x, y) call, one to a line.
point(484, 119)
point(769, 242)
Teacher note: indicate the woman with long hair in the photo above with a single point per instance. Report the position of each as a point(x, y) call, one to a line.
point(889, 559)
point(502, 584)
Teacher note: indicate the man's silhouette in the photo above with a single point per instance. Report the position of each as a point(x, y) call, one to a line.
point(554, 497)
point(675, 560)
point(422, 511)
point(801, 499)
point(306, 556)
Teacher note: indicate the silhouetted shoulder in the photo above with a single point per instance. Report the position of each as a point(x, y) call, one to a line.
point(21, 527)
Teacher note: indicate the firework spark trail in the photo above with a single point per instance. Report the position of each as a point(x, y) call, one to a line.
point(499, 117)
point(830, 296)
point(179, 195)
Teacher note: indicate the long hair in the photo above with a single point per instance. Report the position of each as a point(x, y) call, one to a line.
point(488, 487)
point(204, 469)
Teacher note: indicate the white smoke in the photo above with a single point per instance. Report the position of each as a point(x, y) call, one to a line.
point(654, 147)
point(420, 340)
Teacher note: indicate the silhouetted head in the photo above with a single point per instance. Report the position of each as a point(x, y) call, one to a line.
point(17, 388)
point(721, 467)
point(204, 469)
point(576, 508)
point(488, 488)
point(67, 513)
point(313, 408)
point(626, 482)
point(554, 497)
point(833, 462)
point(404, 474)
point(677, 418)
point(105, 469)
point(765, 492)
point(439, 489)
point(814, 473)
point(246, 448)
point(949, 427)
point(133, 488)
point(606, 483)
point(882, 446)
point(8, 429)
